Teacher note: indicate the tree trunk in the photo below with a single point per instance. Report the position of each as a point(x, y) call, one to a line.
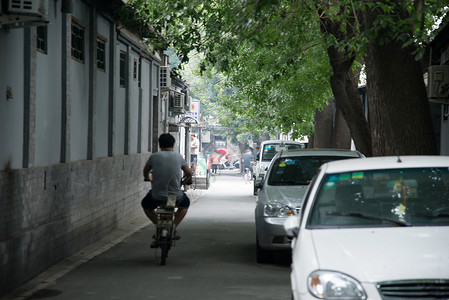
point(344, 87)
point(399, 111)
point(323, 129)
point(331, 130)
point(341, 136)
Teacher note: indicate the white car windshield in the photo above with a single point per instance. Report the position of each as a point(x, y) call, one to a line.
point(406, 197)
point(270, 150)
point(297, 170)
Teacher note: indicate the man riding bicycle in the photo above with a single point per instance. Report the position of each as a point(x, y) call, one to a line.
point(166, 167)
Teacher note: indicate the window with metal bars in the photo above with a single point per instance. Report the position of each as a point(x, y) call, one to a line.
point(122, 68)
point(135, 69)
point(77, 41)
point(101, 54)
point(42, 39)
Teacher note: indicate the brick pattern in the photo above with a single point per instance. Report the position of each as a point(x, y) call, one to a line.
point(49, 213)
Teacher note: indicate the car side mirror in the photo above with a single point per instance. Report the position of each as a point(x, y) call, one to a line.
point(291, 226)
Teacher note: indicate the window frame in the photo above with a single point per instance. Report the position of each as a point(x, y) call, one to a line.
point(122, 71)
point(78, 52)
point(101, 61)
point(135, 69)
point(42, 41)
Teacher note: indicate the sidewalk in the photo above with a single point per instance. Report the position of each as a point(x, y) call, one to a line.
point(40, 283)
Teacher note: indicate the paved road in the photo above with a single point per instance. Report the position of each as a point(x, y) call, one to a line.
point(215, 258)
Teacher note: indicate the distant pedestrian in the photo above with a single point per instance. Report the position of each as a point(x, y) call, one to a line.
point(194, 151)
point(247, 159)
point(215, 162)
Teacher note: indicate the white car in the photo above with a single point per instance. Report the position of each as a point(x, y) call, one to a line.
point(268, 149)
point(281, 193)
point(374, 228)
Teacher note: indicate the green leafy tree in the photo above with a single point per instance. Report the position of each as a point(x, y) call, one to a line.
point(280, 54)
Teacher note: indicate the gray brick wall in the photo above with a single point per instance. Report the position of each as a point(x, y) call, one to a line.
point(49, 213)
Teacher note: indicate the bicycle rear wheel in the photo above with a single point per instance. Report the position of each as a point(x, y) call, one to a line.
point(165, 246)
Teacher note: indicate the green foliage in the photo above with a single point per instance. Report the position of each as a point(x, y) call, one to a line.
point(396, 20)
point(264, 62)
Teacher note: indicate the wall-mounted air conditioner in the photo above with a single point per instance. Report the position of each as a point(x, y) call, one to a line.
point(438, 82)
point(32, 7)
point(22, 13)
point(165, 77)
point(178, 101)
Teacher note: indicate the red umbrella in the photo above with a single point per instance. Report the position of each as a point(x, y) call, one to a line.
point(223, 152)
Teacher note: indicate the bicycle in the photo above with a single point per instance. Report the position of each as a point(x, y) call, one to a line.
point(164, 237)
point(165, 231)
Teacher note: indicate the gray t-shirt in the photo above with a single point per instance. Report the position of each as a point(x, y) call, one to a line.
point(166, 168)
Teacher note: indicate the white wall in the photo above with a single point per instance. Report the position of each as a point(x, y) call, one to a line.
point(133, 103)
point(46, 99)
point(11, 111)
point(48, 94)
point(79, 89)
point(102, 96)
point(119, 105)
point(146, 102)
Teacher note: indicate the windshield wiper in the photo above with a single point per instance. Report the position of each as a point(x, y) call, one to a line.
point(288, 182)
point(292, 182)
point(431, 215)
point(364, 216)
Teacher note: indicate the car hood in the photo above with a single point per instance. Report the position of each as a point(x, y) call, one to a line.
point(288, 194)
point(382, 254)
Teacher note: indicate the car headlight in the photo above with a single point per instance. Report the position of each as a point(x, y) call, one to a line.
point(334, 285)
point(275, 209)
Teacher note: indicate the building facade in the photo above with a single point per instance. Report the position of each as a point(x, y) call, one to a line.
point(80, 113)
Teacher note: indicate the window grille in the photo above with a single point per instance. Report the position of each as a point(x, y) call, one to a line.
point(101, 54)
point(77, 41)
point(122, 68)
point(42, 39)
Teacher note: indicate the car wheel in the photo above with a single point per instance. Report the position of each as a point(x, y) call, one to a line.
point(255, 190)
point(263, 256)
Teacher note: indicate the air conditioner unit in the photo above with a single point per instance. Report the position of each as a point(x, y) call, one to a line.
point(22, 13)
point(178, 100)
point(31, 7)
point(165, 77)
point(438, 82)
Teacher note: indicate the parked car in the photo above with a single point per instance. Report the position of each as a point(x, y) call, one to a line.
point(374, 228)
point(282, 191)
point(268, 150)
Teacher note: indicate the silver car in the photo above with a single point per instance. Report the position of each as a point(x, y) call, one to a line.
point(281, 193)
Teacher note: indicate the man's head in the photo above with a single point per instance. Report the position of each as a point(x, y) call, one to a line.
point(166, 140)
point(192, 136)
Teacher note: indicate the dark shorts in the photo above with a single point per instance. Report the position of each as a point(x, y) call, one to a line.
point(148, 202)
point(193, 158)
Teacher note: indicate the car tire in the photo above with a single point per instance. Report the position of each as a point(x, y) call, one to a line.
point(263, 256)
point(255, 190)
